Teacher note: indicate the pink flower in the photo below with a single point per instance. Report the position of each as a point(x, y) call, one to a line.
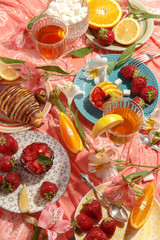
point(33, 76)
point(120, 192)
point(22, 38)
point(51, 220)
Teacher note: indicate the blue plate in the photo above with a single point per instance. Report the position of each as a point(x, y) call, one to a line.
point(85, 106)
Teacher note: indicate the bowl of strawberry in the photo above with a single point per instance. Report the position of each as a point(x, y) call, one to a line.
point(37, 157)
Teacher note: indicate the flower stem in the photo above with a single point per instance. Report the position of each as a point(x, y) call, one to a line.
point(36, 233)
point(136, 165)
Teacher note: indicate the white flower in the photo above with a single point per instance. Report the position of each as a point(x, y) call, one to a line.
point(103, 166)
point(153, 122)
point(96, 70)
point(70, 91)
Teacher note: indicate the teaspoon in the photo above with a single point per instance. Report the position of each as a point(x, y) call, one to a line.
point(116, 212)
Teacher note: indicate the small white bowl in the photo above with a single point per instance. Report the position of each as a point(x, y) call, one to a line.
point(78, 29)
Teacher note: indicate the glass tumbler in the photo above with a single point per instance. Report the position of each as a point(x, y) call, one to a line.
point(133, 117)
point(50, 36)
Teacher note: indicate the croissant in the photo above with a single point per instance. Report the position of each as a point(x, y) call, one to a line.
point(20, 105)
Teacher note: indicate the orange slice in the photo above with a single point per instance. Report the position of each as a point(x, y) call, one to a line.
point(69, 134)
point(104, 13)
point(107, 87)
point(127, 31)
point(115, 93)
point(141, 211)
point(7, 72)
point(104, 83)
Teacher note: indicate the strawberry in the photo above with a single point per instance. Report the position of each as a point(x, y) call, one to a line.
point(105, 36)
point(95, 233)
point(8, 144)
point(148, 94)
point(41, 95)
point(140, 102)
point(48, 190)
point(92, 208)
point(1, 179)
point(6, 163)
point(82, 223)
point(37, 157)
point(108, 225)
point(129, 72)
point(11, 182)
point(137, 84)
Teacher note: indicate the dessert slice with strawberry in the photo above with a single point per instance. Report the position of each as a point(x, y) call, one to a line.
point(93, 209)
point(102, 94)
point(37, 157)
point(48, 190)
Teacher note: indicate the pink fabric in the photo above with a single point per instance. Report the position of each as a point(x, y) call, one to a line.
point(13, 226)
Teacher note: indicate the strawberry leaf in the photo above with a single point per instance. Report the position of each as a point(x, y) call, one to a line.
point(42, 159)
point(81, 52)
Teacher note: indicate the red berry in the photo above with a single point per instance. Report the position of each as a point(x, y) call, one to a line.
point(82, 223)
point(95, 233)
point(105, 36)
point(140, 102)
point(11, 182)
point(108, 225)
point(8, 145)
point(137, 84)
point(1, 179)
point(148, 94)
point(6, 163)
point(129, 72)
point(48, 190)
point(93, 209)
point(37, 157)
point(41, 95)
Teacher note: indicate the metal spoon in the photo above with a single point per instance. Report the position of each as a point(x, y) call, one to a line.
point(145, 140)
point(116, 212)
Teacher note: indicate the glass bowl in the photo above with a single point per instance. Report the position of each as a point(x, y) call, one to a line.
point(74, 30)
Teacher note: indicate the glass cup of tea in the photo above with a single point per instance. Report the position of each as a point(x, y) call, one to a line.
point(50, 36)
point(133, 117)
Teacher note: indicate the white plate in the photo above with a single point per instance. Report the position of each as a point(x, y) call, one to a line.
point(146, 31)
point(58, 174)
point(150, 230)
point(8, 126)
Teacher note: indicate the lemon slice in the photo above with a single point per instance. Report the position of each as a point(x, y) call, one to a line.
point(102, 84)
point(110, 120)
point(127, 31)
point(7, 72)
point(23, 200)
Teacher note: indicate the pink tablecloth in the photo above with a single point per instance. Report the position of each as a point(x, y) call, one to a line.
point(13, 226)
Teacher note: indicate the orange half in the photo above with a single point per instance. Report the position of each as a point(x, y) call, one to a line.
point(141, 211)
point(104, 13)
point(69, 134)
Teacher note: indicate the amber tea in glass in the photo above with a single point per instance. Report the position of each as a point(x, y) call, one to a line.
point(50, 34)
point(133, 116)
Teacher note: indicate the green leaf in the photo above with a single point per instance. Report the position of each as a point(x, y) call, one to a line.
point(59, 105)
point(10, 60)
point(79, 127)
point(110, 68)
point(30, 23)
point(42, 159)
point(54, 69)
point(81, 52)
point(127, 53)
point(30, 219)
point(120, 167)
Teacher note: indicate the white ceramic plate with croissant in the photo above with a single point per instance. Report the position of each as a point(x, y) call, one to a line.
point(7, 98)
